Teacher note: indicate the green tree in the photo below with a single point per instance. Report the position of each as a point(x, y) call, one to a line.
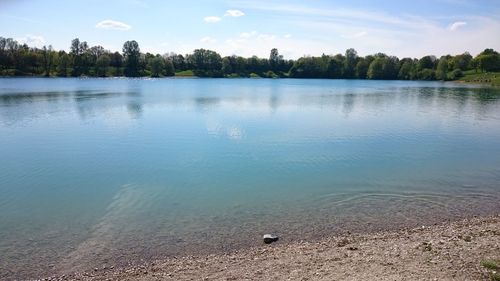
point(256, 65)
point(488, 60)
point(117, 63)
point(334, 68)
point(407, 70)
point(310, 67)
point(4, 58)
point(351, 59)
point(426, 62)
point(426, 74)
point(442, 69)
point(77, 50)
point(169, 68)
point(102, 65)
point(48, 59)
point(156, 64)
point(461, 62)
point(235, 66)
point(391, 68)
point(63, 64)
point(21, 59)
point(275, 60)
point(206, 63)
point(178, 61)
point(240, 66)
point(131, 53)
point(95, 52)
point(376, 69)
point(362, 68)
point(383, 67)
point(227, 67)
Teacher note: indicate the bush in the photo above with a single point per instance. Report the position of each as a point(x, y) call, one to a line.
point(270, 74)
point(427, 74)
point(455, 74)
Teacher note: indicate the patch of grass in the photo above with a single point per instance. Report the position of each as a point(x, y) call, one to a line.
point(185, 73)
point(492, 78)
point(490, 264)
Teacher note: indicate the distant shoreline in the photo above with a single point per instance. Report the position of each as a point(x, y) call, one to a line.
point(464, 82)
point(461, 81)
point(448, 251)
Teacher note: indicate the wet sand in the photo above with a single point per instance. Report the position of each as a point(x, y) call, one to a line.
point(445, 251)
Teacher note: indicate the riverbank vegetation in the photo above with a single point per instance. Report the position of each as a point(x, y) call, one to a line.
point(83, 60)
point(492, 78)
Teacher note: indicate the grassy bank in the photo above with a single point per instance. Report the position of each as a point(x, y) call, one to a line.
point(185, 73)
point(490, 78)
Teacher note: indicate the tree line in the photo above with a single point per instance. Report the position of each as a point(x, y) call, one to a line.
point(82, 60)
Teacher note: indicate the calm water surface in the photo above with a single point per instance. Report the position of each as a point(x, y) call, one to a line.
point(105, 171)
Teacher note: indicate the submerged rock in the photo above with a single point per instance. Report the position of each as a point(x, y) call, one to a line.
point(269, 238)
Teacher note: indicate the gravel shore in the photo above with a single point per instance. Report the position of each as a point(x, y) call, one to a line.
point(448, 251)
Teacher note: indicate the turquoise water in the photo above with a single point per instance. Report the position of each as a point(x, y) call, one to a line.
point(105, 171)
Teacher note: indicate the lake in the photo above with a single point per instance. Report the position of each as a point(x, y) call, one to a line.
point(109, 171)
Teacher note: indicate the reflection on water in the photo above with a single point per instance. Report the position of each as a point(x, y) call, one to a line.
point(100, 171)
point(87, 102)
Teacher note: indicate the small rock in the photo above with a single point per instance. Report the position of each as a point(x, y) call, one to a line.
point(427, 246)
point(269, 238)
point(343, 242)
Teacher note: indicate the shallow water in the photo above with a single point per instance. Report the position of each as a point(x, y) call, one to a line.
point(104, 171)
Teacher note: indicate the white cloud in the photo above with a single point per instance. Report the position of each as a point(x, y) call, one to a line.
point(287, 35)
point(355, 35)
point(212, 19)
point(303, 11)
point(248, 34)
point(208, 39)
point(332, 31)
point(32, 40)
point(257, 35)
point(252, 43)
point(234, 13)
point(112, 24)
point(266, 37)
point(456, 25)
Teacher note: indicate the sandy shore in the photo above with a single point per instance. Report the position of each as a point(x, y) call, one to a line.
point(448, 251)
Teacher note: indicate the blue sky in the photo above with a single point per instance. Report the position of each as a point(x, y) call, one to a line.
point(252, 27)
